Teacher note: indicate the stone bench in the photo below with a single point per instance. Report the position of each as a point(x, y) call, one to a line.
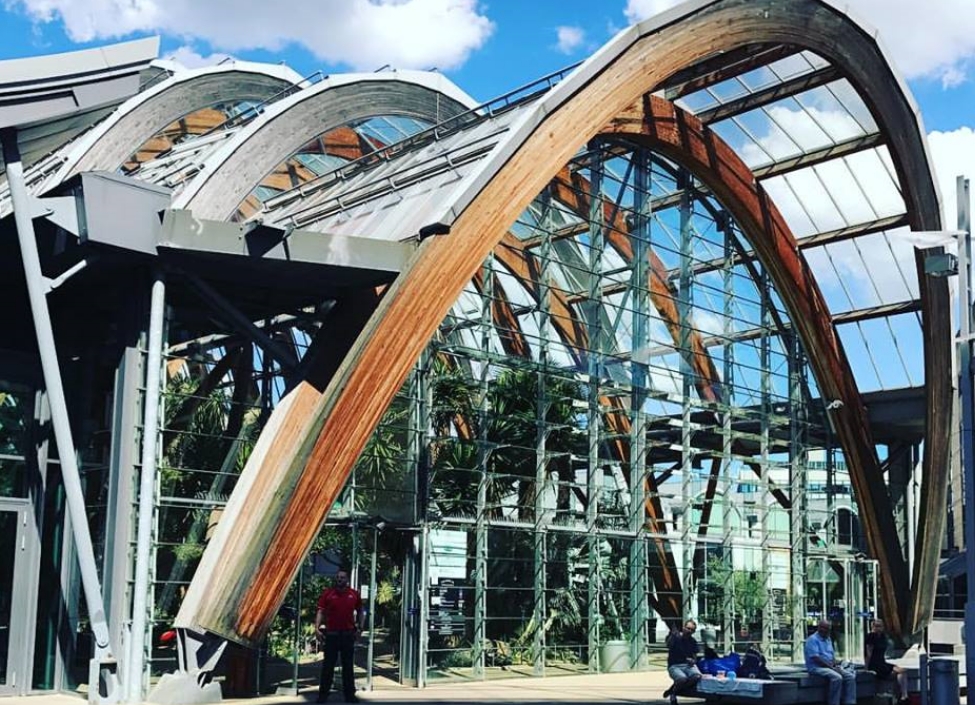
point(790, 686)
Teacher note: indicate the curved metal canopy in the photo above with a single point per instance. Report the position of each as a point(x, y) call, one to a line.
point(237, 167)
point(68, 92)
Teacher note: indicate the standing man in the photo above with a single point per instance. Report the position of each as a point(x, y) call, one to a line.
point(821, 661)
point(338, 622)
point(682, 650)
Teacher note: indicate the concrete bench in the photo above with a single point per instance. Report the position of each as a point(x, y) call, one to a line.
point(790, 686)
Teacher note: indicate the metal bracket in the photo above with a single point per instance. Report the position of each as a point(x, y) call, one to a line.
point(60, 210)
point(104, 687)
point(52, 284)
point(198, 654)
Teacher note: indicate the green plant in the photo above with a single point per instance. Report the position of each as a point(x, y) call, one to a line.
point(749, 591)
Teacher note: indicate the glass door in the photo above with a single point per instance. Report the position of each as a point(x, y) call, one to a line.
point(14, 677)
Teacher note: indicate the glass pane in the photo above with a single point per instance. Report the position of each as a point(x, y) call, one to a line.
point(13, 478)
point(8, 544)
point(49, 597)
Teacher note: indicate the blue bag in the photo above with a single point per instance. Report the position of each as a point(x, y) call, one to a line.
point(728, 663)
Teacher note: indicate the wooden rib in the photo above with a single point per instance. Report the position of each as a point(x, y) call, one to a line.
point(937, 332)
point(291, 421)
point(572, 189)
point(307, 471)
point(661, 126)
point(664, 575)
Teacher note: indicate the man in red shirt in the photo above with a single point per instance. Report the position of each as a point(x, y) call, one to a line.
point(338, 622)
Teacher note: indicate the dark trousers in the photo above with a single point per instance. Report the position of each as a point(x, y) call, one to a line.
point(338, 644)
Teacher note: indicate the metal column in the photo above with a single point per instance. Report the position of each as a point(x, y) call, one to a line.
point(766, 501)
point(541, 459)
point(594, 421)
point(639, 287)
point(966, 383)
point(483, 454)
point(685, 305)
point(37, 288)
point(133, 675)
point(799, 524)
point(727, 439)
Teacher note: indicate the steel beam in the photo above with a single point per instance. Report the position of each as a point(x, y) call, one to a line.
point(286, 358)
point(640, 236)
point(184, 232)
point(103, 665)
point(722, 66)
point(779, 91)
point(133, 674)
point(810, 241)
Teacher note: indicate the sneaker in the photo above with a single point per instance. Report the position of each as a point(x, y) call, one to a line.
point(352, 699)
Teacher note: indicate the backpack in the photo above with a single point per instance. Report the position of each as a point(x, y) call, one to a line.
point(754, 665)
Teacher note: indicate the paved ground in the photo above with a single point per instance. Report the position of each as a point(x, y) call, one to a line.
point(643, 688)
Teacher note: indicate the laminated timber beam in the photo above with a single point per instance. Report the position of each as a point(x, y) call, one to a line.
point(685, 140)
point(938, 377)
point(242, 586)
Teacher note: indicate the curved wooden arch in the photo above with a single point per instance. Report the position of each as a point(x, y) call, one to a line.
point(659, 125)
point(239, 166)
point(301, 478)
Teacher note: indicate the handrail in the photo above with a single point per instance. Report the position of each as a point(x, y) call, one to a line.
point(491, 108)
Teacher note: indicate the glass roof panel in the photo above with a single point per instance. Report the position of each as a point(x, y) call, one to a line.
point(886, 361)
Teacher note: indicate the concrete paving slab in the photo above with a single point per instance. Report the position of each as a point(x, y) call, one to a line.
point(642, 687)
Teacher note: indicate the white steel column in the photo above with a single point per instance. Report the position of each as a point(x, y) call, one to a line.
point(37, 289)
point(133, 676)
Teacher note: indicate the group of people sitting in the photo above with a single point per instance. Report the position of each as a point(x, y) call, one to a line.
point(820, 659)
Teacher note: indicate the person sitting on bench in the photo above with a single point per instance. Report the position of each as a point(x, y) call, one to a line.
point(875, 653)
point(682, 651)
point(821, 661)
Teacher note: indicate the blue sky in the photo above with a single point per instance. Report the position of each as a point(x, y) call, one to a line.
point(491, 47)
point(486, 47)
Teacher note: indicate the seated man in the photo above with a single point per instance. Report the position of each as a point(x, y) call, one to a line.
point(682, 650)
point(821, 661)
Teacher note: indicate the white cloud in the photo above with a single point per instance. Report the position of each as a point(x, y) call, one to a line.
point(363, 34)
point(936, 42)
point(570, 38)
point(953, 155)
point(191, 59)
point(637, 10)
